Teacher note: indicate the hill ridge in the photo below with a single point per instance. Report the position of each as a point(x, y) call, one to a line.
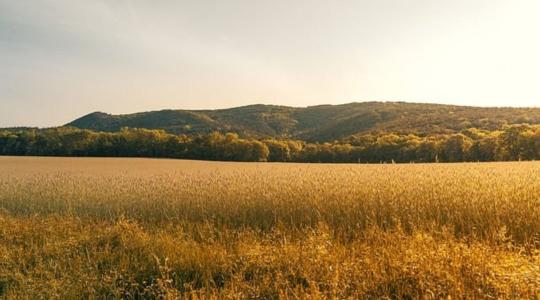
point(319, 123)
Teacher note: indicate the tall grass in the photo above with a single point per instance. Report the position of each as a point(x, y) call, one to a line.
point(131, 228)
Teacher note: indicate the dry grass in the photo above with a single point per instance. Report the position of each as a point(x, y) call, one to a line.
point(133, 228)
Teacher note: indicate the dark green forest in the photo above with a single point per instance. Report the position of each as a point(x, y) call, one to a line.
point(323, 123)
point(511, 142)
point(368, 132)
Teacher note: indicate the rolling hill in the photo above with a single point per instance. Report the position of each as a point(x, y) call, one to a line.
point(317, 123)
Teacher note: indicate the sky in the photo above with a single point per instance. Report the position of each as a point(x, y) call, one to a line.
point(61, 59)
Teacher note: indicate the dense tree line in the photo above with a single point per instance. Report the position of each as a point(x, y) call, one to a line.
point(514, 142)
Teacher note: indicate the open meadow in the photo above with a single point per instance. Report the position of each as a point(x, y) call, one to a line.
point(154, 228)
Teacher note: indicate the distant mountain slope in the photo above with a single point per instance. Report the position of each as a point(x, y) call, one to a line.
point(317, 123)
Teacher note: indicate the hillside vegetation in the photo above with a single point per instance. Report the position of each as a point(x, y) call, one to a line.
point(73, 228)
point(318, 123)
point(371, 132)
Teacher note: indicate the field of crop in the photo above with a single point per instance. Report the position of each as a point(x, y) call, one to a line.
point(143, 228)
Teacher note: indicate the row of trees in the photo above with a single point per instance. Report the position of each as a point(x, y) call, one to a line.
point(516, 142)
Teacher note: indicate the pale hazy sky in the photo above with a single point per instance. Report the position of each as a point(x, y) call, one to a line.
point(60, 59)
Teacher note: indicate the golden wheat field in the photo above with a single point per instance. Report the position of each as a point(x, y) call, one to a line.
point(102, 228)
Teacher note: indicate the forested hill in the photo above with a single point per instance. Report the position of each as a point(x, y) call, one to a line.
point(317, 123)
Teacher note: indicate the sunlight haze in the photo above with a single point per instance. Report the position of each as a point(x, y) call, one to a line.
point(61, 59)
